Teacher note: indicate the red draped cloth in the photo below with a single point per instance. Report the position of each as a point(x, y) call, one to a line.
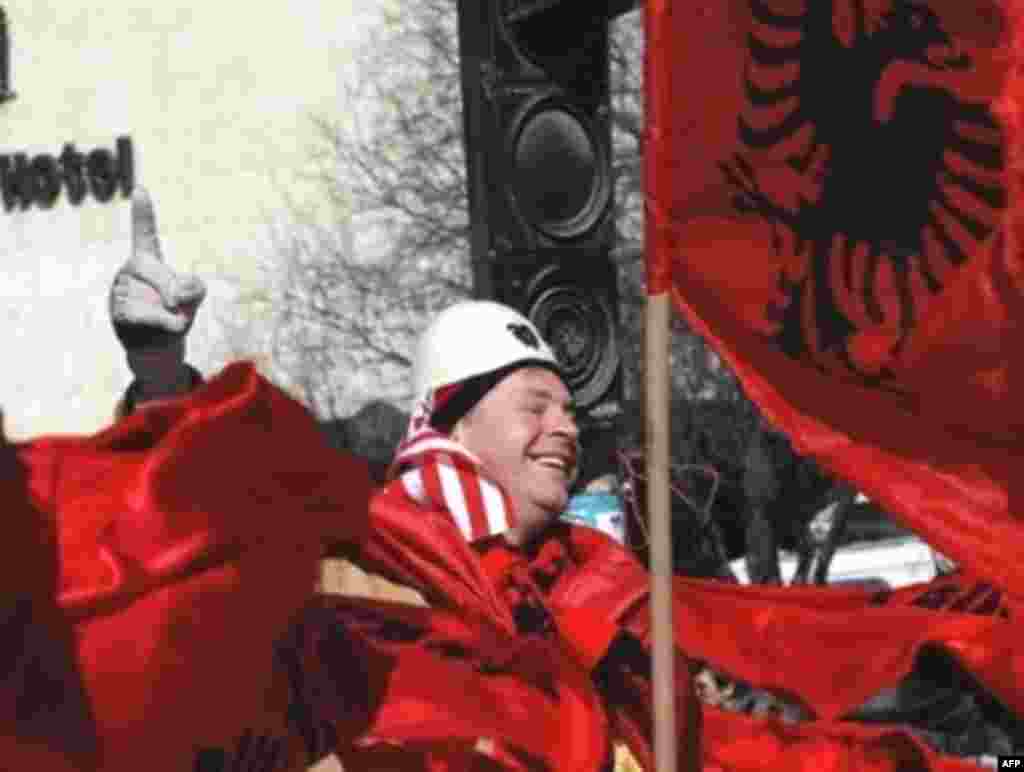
point(160, 615)
point(833, 202)
point(150, 571)
point(158, 581)
point(829, 649)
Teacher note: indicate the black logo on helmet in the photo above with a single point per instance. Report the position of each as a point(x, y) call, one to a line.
point(525, 335)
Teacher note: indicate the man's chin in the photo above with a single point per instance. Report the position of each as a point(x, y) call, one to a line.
point(532, 527)
point(554, 505)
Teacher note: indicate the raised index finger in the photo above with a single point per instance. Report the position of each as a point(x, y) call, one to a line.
point(145, 241)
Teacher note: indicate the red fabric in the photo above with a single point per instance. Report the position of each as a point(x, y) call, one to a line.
point(589, 632)
point(578, 583)
point(737, 743)
point(423, 549)
point(537, 580)
point(773, 636)
point(493, 588)
point(422, 687)
point(829, 648)
point(163, 572)
point(166, 558)
point(826, 194)
point(161, 622)
point(776, 640)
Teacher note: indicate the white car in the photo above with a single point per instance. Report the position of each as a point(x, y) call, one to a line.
point(881, 563)
point(888, 563)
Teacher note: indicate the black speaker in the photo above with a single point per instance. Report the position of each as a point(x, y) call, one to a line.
point(535, 86)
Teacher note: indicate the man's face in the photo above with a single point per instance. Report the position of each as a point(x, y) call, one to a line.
point(524, 432)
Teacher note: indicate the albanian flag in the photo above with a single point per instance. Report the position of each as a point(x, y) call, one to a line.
point(829, 203)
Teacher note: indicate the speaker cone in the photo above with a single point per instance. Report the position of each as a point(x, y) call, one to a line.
point(559, 171)
point(579, 324)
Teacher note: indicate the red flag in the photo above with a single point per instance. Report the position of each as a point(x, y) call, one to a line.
point(163, 563)
point(827, 197)
point(828, 649)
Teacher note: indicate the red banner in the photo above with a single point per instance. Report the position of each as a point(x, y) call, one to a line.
point(829, 205)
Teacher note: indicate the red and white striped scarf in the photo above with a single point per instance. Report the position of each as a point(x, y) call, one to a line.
point(440, 474)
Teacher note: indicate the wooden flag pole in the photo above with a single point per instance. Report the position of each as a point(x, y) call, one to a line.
point(657, 434)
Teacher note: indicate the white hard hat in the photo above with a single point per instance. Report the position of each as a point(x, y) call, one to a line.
point(473, 338)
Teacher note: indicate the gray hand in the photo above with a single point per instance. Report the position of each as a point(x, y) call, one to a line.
point(152, 307)
point(148, 293)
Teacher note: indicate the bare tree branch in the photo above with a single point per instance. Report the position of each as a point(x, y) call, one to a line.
point(396, 248)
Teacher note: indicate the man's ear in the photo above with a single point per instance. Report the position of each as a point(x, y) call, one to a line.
point(458, 431)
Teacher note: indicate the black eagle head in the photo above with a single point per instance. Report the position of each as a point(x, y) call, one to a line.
point(914, 33)
point(525, 335)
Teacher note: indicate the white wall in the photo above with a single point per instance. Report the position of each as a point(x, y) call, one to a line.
point(214, 96)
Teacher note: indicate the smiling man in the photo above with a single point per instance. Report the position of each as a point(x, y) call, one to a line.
point(493, 438)
point(524, 430)
point(492, 448)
